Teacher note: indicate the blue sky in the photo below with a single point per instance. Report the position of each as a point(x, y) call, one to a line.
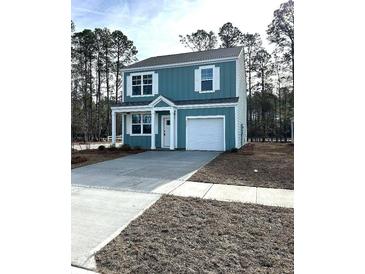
point(155, 25)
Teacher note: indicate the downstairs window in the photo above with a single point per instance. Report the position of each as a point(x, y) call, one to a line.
point(141, 124)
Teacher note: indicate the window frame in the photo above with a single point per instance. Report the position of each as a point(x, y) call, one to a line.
point(140, 124)
point(140, 84)
point(212, 67)
point(142, 74)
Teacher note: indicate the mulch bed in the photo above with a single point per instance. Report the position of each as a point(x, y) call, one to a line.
point(92, 156)
point(259, 165)
point(190, 235)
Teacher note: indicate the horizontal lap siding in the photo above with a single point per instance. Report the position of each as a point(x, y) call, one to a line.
point(178, 83)
point(228, 112)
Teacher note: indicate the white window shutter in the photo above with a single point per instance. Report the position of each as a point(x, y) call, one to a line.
point(155, 83)
point(197, 77)
point(156, 123)
point(129, 123)
point(129, 86)
point(217, 78)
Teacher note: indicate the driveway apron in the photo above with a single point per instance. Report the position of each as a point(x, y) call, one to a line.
point(141, 172)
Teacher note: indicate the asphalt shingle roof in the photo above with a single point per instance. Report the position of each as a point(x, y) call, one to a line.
point(188, 57)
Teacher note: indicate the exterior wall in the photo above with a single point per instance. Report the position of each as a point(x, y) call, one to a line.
point(228, 112)
point(145, 141)
point(177, 83)
point(141, 141)
point(241, 109)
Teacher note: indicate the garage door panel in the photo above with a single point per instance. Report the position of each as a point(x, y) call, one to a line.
point(205, 134)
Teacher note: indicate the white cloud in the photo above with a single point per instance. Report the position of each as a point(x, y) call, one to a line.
point(155, 28)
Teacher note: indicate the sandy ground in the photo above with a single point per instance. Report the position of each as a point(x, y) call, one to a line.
point(271, 165)
point(190, 235)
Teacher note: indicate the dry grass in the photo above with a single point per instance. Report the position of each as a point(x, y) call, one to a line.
point(94, 156)
point(190, 235)
point(270, 165)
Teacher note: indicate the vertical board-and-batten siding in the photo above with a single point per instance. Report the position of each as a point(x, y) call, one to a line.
point(177, 83)
point(241, 108)
point(228, 112)
point(145, 141)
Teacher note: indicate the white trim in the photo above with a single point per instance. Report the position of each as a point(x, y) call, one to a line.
point(176, 128)
point(123, 127)
point(131, 109)
point(141, 74)
point(172, 129)
point(207, 67)
point(197, 80)
point(159, 99)
point(124, 93)
point(212, 67)
point(114, 127)
point(128, 85)
point(218, 60)
point(155, 83)
point(237, 78)
point(217, 78)
point(148, 108)
point(236, 127)
point(206, 105)
point(162, 129)
point(128, 123)
point(163, 109)
point(153, 136)
point(206, 117)
point(141, 134)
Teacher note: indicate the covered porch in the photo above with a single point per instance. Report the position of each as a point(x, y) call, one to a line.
point(151, 125)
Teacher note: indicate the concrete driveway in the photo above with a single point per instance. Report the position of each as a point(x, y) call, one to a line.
point(98, 214)
point(142, 172)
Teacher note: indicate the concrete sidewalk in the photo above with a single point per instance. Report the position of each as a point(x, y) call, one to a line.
point(230, 193)
point(98, 216)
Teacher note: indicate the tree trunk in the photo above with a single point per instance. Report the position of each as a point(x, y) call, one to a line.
point(107, 90)
point(117, 77)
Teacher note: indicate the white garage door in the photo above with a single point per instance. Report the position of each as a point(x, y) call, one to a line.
point(205, 133)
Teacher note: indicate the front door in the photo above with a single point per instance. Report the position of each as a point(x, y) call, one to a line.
point(165, 131)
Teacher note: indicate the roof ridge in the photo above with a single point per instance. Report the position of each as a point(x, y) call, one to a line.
point(192, 56)
point(189, 52)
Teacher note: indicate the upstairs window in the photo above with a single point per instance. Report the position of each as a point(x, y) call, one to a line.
point(147, 84)
point(141, 124)
point(207, 79)
point(142, 85)
point(136, 85)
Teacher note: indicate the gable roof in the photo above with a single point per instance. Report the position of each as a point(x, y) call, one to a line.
point(195, 56)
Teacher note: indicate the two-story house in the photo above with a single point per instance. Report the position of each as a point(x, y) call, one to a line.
point(192, 101)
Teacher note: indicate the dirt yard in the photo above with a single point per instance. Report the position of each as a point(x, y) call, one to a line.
point(92, 156)
point(271, 165)
point(190, 235)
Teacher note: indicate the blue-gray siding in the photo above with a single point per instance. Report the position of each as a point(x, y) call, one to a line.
point(177, 83)
point(228, 112)
point(229, 118)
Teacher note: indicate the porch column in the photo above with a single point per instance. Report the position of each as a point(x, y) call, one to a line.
point(172, 129)
point(123, 128)
point(153, 143)
point(113, 127)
